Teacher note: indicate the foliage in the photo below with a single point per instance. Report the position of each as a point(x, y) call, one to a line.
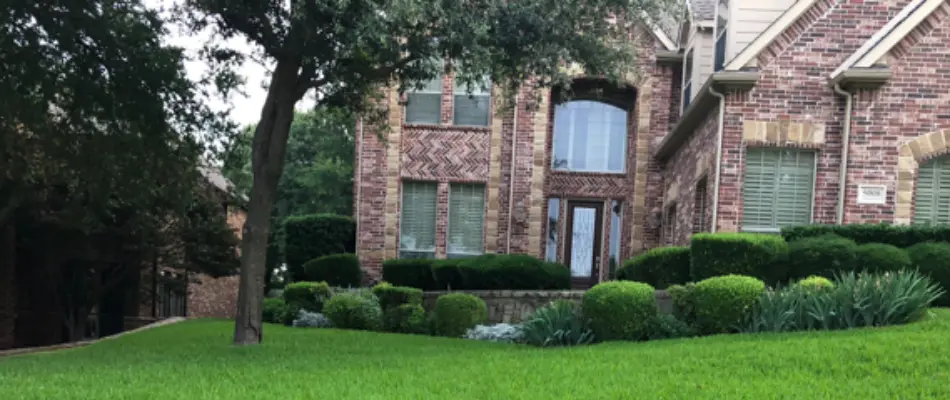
point(500, 272)
point(309, 296)
point(933, 259)
point(335, 269)
point(358, 291)
point(822, 255)
point(660, 267)
point(619, 310)
point(815, 282)
point(306, 319)
point(353, 311)
point(456, 313)
point(307, 237)
point(901, 236)
point(412, 272)
point(274, 309)
point(684, 302)
point(392, 296)
point(879, 257)
point(405, 318)
point(758, 255)
point(666, 326)
point(555, 325)
point(502, 333)
point(723, 303)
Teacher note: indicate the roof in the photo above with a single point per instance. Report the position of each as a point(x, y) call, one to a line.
point(216, 179)
point(748, 55)
point(702, 10)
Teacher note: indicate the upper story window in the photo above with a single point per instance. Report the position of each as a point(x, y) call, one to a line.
point(424, 106)
point(932, 200)
point(687, 79)
point(722, 23)
point(472, 109)
point(589, 136)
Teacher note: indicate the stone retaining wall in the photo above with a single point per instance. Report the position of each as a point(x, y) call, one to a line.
point(512, 306)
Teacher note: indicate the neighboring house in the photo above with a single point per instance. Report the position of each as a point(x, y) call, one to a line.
point(740, 122)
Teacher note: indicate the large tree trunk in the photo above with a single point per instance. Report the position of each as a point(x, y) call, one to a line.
point(8, 292)
point(267, 164)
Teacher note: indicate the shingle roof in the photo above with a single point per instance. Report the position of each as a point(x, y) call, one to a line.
point(214, 176)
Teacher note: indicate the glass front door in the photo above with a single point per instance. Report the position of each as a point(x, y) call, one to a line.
point(585, 220)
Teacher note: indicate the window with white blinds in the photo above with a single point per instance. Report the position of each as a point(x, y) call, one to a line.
point(777, 189)
point(424, 106)
point(589, 136)
point(932, 200)
point(472, 109)
point(417, 226)
point(466, 220)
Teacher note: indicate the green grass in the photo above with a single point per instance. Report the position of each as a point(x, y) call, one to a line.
point(194, 360)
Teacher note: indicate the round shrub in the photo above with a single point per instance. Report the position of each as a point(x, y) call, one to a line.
point(751, 254)
point(411, 272)
point(336, 269)
point(660, 267)
point(393, 296)
point(405, 318)
point(816, 283)
point(353, 311)
point(822, 255)
point(724, 302)
point(619, 310)
point(456, 313)
point(879, 257)
point(273, 310)
point(308, 296)
point(933, 259)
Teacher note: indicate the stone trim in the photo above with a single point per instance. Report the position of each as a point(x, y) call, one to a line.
point(783, 132)
point(642, 157)
point(911, 154)
point(493, 199)
point(535, 213)
point(393, 160)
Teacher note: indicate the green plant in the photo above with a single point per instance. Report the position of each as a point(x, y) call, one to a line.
point(393, 296)
point(723, 303)
point(901, 236)
point(335, 269)
point(660, 267)
point(933, 260)
point(821, 255)
point(456, 313)
point(306, 319)
point(684, 302)
point(307, 237)
point(308, 296)
point(405, 318)
point(619, 310)
point(879, 257)
point(411, 272)
point(354, 311)
point(778, 310)
point(667, 326)
point(273, 310)
point(500, 272)
point(757, 255)
point(556, 324)
point(815, 282)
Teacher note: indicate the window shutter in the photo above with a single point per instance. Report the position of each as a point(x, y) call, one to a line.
point(777, 188)
point(474, 109)
point(466, 220)
point(932, 201)
point(417, 228)
point(425, 106)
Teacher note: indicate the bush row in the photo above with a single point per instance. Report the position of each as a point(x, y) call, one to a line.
point(308, 237)
point(896, 235)
point(485, 272)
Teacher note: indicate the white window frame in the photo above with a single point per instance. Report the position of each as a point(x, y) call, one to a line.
point(688, 61)
point(571, 147)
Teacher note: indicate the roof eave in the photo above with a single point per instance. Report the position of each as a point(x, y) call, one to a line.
point(669, 57)
point(862, 78)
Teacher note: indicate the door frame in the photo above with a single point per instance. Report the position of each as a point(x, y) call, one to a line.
point(598, 206)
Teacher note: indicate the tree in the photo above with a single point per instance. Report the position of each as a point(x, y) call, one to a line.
point(348, 51)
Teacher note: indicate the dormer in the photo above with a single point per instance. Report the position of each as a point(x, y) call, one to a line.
point(697, 42)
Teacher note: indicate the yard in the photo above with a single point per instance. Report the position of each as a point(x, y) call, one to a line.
point(193, 360)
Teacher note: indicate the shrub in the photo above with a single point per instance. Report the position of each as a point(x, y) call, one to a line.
point(405, 318)
point(500, 272)
point(393, 296)
point(758, 255)
point(335, 269)
point(902, 236)
point(448, 275)
point(308, 296)
point(666, 326)
point(816, 283)
point(456, 313)
point(502, 333)
point(723, 303)
point(273, 310)
point(933, 260)
point(307, 319)
point(879, 257)
point(821, 255)
point(363, 292)
point(660, 267)
point(684, 302)
point(307, 237)
point(619, 310)
point(411, 272)
point(557, 324)
point(353, 311)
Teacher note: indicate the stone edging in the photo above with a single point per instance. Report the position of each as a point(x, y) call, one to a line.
point(45, 349)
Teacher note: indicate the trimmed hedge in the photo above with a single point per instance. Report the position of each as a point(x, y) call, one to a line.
point(308, 296)
point(307, 237)
point(902, 236)
point(724, 302)
point(341, 270)
point(405, 318)
point(394, 296)
point(500, 272)
point(660, 267)
point(816, 283)
point(456, 313)
point(759, 255)
point(933, 260)
point(354, 311)
point(620, 310)
point(880, 257)
point(273, 310)
point(411, 272)
point(822, 256)
point(684, 302)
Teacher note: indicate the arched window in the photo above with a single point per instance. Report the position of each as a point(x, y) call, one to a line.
point(589, 136)
point(932, 202)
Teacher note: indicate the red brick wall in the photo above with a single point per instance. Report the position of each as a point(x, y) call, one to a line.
point(695, 160)
point(217, 297)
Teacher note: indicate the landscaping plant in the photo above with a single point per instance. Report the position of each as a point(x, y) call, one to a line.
point(335, 269)
point(393, 296)
point(273, 310)
point(666, 326)
point(757, 255)
point(411, 272)
point(308, 296)
point(456, 313)
point(307, 237)
point(353, 310)
point(901, 236)
point(815, 282)
point(556, 324)
point(822, 255)
point(879, 257)
point(306, 319)
point(659, 267)
point(933, 259)
point(723, 303)
point(684, 302)
point(502, 333)
point(619, 310)
point(405, 318)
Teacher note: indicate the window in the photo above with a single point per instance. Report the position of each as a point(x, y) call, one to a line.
point(777, 189)
point(722, 24)
point(687, 79)
point(554, 212)
point(472, 109)
point(669, 225)
point(424, 106)
point(417, 229)
point(932, 201)
point(616, 222)
point(699, 207)
point(466, 220)
point(589, 136)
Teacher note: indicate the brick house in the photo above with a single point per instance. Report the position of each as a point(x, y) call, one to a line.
point(749, 116)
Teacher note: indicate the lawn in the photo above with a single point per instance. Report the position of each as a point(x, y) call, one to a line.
point(193, 360)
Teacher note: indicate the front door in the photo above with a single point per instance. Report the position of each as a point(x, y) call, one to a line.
point(584, 222)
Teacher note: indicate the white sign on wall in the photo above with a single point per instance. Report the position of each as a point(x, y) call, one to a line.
point(872, 194)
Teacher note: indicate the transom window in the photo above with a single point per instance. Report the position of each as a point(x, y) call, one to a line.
point(932, 201)
point(777, 189)
point(589, 136)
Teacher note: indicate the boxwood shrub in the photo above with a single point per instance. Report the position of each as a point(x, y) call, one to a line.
point(405, 318)
point(758, 255)
point(308, 296)
point(902, 236)
point(351, 310)
point(822, 255)
point(273, 310)
point(500, 271)
point(724, 302)
point(456, 313)
point(933, 259)
point(307, 237)
point(620, 310)
point(393, 296)
point(880, 257)
point(341, 270)
point(659, 267)
point(411, 272)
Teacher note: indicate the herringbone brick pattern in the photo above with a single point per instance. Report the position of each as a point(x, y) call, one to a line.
point(436, 153)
